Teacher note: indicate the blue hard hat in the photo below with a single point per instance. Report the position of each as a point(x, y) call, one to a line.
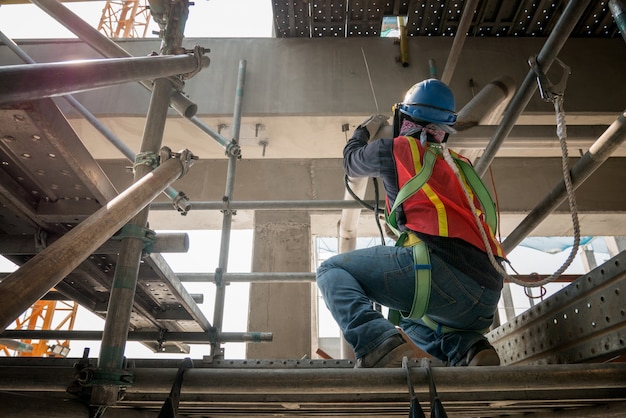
point(429, 101)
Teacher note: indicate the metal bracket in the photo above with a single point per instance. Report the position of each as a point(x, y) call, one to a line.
point(89, 377)
point(416, 410)
point(146, 158)
point(170, 407)
point(549, 92)
point(436, 407)
point(41, 237)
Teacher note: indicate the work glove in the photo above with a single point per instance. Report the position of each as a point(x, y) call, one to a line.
point(373, 124)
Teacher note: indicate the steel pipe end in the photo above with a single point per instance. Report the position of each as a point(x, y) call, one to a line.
point(183, 105)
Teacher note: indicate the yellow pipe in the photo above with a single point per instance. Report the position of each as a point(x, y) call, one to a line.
point(404, 43)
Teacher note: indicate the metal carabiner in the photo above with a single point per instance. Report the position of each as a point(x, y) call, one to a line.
point(549, 92)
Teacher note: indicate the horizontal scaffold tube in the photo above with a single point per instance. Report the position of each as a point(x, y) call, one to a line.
point(186, 337)
point(494, 383)
point(164, 242)
point(35, 81)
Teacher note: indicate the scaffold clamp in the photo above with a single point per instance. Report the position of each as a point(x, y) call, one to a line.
point(181, 203)
point(130, 230)
point(185, 156)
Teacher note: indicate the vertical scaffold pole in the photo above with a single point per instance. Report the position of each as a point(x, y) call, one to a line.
point(122, 295)
point(220, 292)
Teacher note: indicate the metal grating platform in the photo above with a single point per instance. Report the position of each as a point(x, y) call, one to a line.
point(48, 184)
point(354, 18)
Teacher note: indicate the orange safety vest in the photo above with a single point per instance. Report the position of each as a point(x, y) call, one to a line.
point(440, 206)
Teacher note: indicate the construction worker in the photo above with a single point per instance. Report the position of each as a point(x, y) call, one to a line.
point(440, 277)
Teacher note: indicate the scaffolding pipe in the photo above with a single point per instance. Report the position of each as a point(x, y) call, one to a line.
point(220, 289)
point(127, 267)
point(146, 336)
point(404, 42)
point(272, 205)
point(618, 10)
point(20, 289)
point(276, 277)
point(484, 107)
point(164, 242)
point(232, 147)
point(124, 284)
point(493, 383)
point(457, 45)
point(599, 152)
point(546, 57)
point(106, 47)
point(36, 81)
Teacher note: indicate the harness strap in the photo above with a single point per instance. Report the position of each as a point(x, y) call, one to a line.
point(422, 266)
point(412, 186)
point(481, 192)
point(421, 177)
point(421, 296)
point(422, 280)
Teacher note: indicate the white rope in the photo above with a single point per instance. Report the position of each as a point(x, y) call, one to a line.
point(483, 234)
point(562, 135)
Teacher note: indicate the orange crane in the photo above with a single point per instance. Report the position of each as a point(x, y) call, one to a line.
point(42, 316)
point(125, 19)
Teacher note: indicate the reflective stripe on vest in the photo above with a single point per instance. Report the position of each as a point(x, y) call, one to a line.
point(470, 181)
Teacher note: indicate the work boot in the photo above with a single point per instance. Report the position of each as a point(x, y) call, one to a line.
point(480, 354)
point(389, 353)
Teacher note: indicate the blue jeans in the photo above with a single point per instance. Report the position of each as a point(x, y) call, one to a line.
point(351, 281)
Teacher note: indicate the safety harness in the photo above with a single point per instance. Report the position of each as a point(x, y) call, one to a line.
point(421, 254)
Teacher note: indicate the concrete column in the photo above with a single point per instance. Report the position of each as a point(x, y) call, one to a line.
point(282, 243)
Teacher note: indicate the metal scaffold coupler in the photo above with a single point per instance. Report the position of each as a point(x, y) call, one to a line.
point(146, 158)
point(146, 235)
point(181, 203)
point(233, 149)
point(185, 156)
point(198, 53)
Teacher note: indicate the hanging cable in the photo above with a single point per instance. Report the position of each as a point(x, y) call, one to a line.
point(376, 209)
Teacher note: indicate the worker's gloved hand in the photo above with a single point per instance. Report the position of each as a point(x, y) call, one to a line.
point(373, 124)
